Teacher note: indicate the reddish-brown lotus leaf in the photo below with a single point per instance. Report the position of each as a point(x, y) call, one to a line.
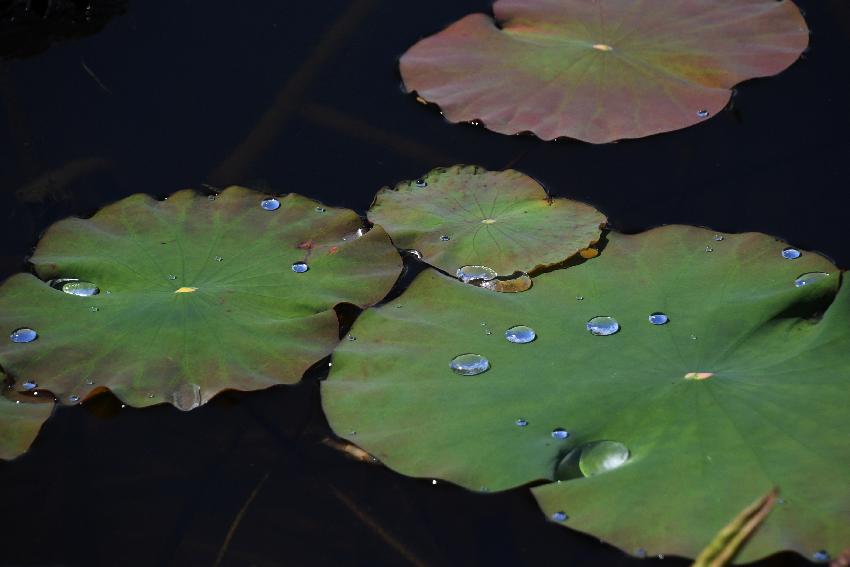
point(602, 70)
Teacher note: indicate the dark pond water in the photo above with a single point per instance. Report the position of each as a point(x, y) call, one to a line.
point(305, 97)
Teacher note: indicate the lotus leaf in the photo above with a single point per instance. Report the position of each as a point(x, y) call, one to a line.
point(744, 388)
point(196, 295)
point(19, 424)
point(467, 216)
point(601, 70)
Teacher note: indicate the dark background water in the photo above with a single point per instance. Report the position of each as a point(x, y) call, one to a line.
point(305, 97)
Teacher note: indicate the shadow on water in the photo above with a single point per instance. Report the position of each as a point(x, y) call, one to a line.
point(306, 97)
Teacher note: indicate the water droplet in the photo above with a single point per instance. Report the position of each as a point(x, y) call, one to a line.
point(468, 273)
point(591, 459)
point(300, 267)
point(520, 334)
point(718, 237)
point(219, 259)
point(270, 204)
point(415, 253)
point(488, 332)
point(399, 306)
point(172, 277)
point(29, 385)
point(579, 298)
point(560, 433)
point(559, 516)
point(640, 553)
point(210, 197)
point(514, 283)
point(433, 481)
point(709, 249)
point(603, 326)
point(320, 209)
point(80, 288)
point(23, 335)
point(658, 318)
point(151, 395)
point(90, 382)
point(187, 397)
point(522, 422)
point(421, 183)
point(352, 338)
point(810, 278)
point(693, 337)
point(820, 556)
point(73, 398)
point(703, 113)
point(469, 364)
point(354, 235)
point(94, 308)
point(445, 238)
point(791, 253)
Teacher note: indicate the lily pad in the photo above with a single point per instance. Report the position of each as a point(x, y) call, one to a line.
point(604, 70)
point(194, 295)
point(19, 424)
point(666, 429)
point(468, 216)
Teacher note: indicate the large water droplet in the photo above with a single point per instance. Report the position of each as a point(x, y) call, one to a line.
point(469, 364)
point(603, 326)
point(270, 204)
point(658, 318)
point(469, 273)
point(520, 334)
point(300, 267)
point(560, 433)
point(791, 253)
point(80, 288)
point(29, 385)
point(591, 459)
point(187, 397)
point(810, 278)
point(559, 516)
point(23, 335)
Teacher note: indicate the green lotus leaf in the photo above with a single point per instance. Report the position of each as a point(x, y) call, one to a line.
point(19, 424)
point(659, 433)
point(468, 216)
point(604, 70)
point(196, 295)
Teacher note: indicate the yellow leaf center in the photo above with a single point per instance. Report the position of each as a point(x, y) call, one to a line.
point(186, 290)
point(602, 47)
point(698, 375)
point(488, 221)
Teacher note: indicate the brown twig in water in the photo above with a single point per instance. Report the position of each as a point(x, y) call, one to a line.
point(238, 519)
point(366, 519)
point(95, 77)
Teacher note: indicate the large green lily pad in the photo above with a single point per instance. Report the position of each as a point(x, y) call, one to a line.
point(745, 388)
point(197, 295)
point(467, 216)
point(19, 424)
point(602, 70)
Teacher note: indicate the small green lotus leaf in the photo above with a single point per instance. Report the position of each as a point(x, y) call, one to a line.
point(603, 70)
point(194, 295)
point(468, 216)
point(19, 424)
point(661, 431)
